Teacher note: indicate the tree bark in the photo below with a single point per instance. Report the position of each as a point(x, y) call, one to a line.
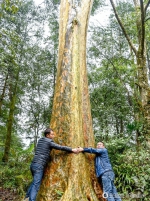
point(69, 176)
point(143, 86)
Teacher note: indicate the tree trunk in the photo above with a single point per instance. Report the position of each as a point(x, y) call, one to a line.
point(148, 63)
point(13, 91)
point(142, 114)
point(142, 85)
point(69, 176)
point(3, 94)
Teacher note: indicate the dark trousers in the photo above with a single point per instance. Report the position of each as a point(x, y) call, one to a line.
point(37, 171)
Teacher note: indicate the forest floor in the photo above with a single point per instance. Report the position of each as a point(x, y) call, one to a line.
point(8, 195)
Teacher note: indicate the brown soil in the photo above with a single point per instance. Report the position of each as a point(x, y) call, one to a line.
point(8, 195)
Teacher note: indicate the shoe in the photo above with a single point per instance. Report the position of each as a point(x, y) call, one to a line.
point(26, 198)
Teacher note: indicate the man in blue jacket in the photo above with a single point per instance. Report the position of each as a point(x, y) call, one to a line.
point(104, 171)
point(40, 160)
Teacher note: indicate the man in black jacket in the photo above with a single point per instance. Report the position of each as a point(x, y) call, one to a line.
point(41, 158)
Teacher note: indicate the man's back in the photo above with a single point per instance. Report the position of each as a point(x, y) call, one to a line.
point(42, 153)
point(44, 146)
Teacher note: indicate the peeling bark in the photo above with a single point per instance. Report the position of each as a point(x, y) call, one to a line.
point(71, 174)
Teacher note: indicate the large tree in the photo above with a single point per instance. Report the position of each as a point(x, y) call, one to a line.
point(69, 176)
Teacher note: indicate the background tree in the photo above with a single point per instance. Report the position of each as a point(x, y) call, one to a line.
point(111, 72)
point(140, 54)
point(113, 78)
point(26, 63)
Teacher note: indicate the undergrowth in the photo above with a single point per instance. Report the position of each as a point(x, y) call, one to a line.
point(131, 167)
point(15, 174)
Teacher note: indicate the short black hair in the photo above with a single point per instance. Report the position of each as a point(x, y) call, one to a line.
point(47, 131)
point(101, 142)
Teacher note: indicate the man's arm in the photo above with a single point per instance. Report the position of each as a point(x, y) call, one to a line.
point(90, 150)
point(63, 148)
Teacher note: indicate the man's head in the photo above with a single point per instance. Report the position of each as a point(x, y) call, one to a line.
point(100, 145)
point(49, 133)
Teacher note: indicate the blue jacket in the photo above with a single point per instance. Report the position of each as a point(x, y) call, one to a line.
point(102, 162)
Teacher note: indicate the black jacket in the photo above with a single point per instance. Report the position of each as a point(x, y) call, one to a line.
point(43, 149)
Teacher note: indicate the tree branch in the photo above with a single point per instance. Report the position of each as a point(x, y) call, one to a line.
point(147, 19)
point(122, 81)
point(142, 26)
point(147, 6)
point(123, 28)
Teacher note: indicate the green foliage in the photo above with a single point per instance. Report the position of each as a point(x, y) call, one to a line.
point(15, 174)
point(131, 167)
point(10, 6)
point(28, 52)
point(111, 103)
point(96, 5)
point(112, 78)
point(133, 174)
point(59, 194)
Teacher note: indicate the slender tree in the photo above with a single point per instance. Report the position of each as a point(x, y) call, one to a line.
point(3, 93)
point(143, 98)
point(12, 97)
point(72, 176)
point(14, 44)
